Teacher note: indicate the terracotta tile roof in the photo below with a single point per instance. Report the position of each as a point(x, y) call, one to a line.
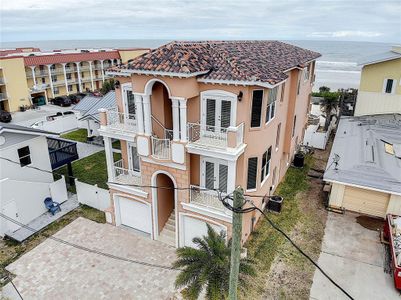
point(18, 50)
point(250, 61)
point(58, 58)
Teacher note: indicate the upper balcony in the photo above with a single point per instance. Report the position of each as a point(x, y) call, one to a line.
point(119, 124)
point(125, 176)
point(227, 140)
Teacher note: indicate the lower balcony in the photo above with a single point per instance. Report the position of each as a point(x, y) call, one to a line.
point(125, 176)
point(207, 199)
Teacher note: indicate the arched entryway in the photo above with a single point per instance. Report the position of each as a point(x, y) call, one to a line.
point(164, 208)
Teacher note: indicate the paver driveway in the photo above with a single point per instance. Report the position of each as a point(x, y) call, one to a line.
point(353, 256)
point(54, 270)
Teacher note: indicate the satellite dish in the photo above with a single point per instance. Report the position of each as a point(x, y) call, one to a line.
point(2, 140)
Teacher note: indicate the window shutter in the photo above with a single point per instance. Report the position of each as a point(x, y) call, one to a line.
point(257, 100)
point(209, 178)
point(223, 174)
point(225, 113)
point(252, 172)
point(211, 112)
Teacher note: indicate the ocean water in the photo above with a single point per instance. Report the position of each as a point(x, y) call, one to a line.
point(336, 68)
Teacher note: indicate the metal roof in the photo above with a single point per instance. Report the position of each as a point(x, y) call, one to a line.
point(108, 101)
point(362, 158)
point(23, 129)
point(380, 57)
point(86, 103)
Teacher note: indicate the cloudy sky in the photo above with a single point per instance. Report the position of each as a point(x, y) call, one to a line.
point(359, 20)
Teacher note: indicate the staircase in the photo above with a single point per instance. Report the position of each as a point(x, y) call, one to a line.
point(167, 235)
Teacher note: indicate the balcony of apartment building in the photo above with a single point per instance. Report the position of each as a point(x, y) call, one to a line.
point(2, 81)
point(3, 96)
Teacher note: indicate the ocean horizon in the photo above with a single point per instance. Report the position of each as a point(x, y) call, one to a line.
point(336, 68)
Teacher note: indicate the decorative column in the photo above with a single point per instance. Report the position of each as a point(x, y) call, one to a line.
point(232, 166)
point(79, 77)
point(50, 78)
point(183, 119)
point(33, 75)
point(65, 79)
point(147, 114)
point(102, 69)
point(176, 120)
point(90, 71)
point(139, 113)
point(109, 158)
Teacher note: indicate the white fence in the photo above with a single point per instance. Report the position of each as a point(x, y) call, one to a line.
point(316, 139)
point(58, 124)
point(92, 195)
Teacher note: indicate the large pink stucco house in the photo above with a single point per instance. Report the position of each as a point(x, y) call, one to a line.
point(212, 114)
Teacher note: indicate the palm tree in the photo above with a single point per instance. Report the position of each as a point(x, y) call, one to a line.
point(208, 266)
point(329, 103)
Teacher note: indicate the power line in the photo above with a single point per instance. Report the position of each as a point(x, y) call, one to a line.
point(253, 208)
point(19, 294)
point(224, 201)
point(115, 183)
point(88, 249)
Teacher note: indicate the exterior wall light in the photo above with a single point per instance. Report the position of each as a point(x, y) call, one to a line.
point(239, 97)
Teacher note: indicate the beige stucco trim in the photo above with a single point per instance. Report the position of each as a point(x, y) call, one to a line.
point(362, 187)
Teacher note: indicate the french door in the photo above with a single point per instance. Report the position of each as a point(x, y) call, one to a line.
point(214, 174)
point(133, 159)
point(216, 113)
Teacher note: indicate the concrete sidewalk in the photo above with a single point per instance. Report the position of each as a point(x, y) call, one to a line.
point(353, 257)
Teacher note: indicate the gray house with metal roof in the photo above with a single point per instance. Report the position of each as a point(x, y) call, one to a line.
point(364, 168)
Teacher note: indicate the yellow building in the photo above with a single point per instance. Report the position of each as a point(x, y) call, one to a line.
point(380, 86)
point(29, 76)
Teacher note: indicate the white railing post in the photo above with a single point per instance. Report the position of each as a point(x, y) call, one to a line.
point(33, 75)
point(50, 79)
point(79, 76)
point(90, 71)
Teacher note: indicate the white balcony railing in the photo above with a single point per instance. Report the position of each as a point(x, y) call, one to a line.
point(120, 121)
point(39, 87)
point(216, 137)
point(125, 176)
point(161, 148)
point(207, 198)
point(3, 96)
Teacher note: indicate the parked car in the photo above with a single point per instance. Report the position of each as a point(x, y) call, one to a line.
point(61, 101)
point(5, 116)
point(75, 98)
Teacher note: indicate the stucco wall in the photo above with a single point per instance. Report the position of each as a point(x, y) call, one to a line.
point(16, 85)
point(39, 157)
point(372, 76)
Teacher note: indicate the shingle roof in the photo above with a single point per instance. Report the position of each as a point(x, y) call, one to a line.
point(108, 101)
point(250, 61)
point(59, 58)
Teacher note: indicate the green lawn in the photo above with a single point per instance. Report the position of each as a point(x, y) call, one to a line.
point(265, 242)
point(91, 170)
point(78, 135)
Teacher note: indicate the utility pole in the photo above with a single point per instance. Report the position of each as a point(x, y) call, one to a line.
point(236, 244)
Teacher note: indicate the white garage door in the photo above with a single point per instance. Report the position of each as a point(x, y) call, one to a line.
point(135, 214)
point(191, 227)
point(365, 201)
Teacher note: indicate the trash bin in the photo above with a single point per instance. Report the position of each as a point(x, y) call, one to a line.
point(299, 160)
point(275, 203)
